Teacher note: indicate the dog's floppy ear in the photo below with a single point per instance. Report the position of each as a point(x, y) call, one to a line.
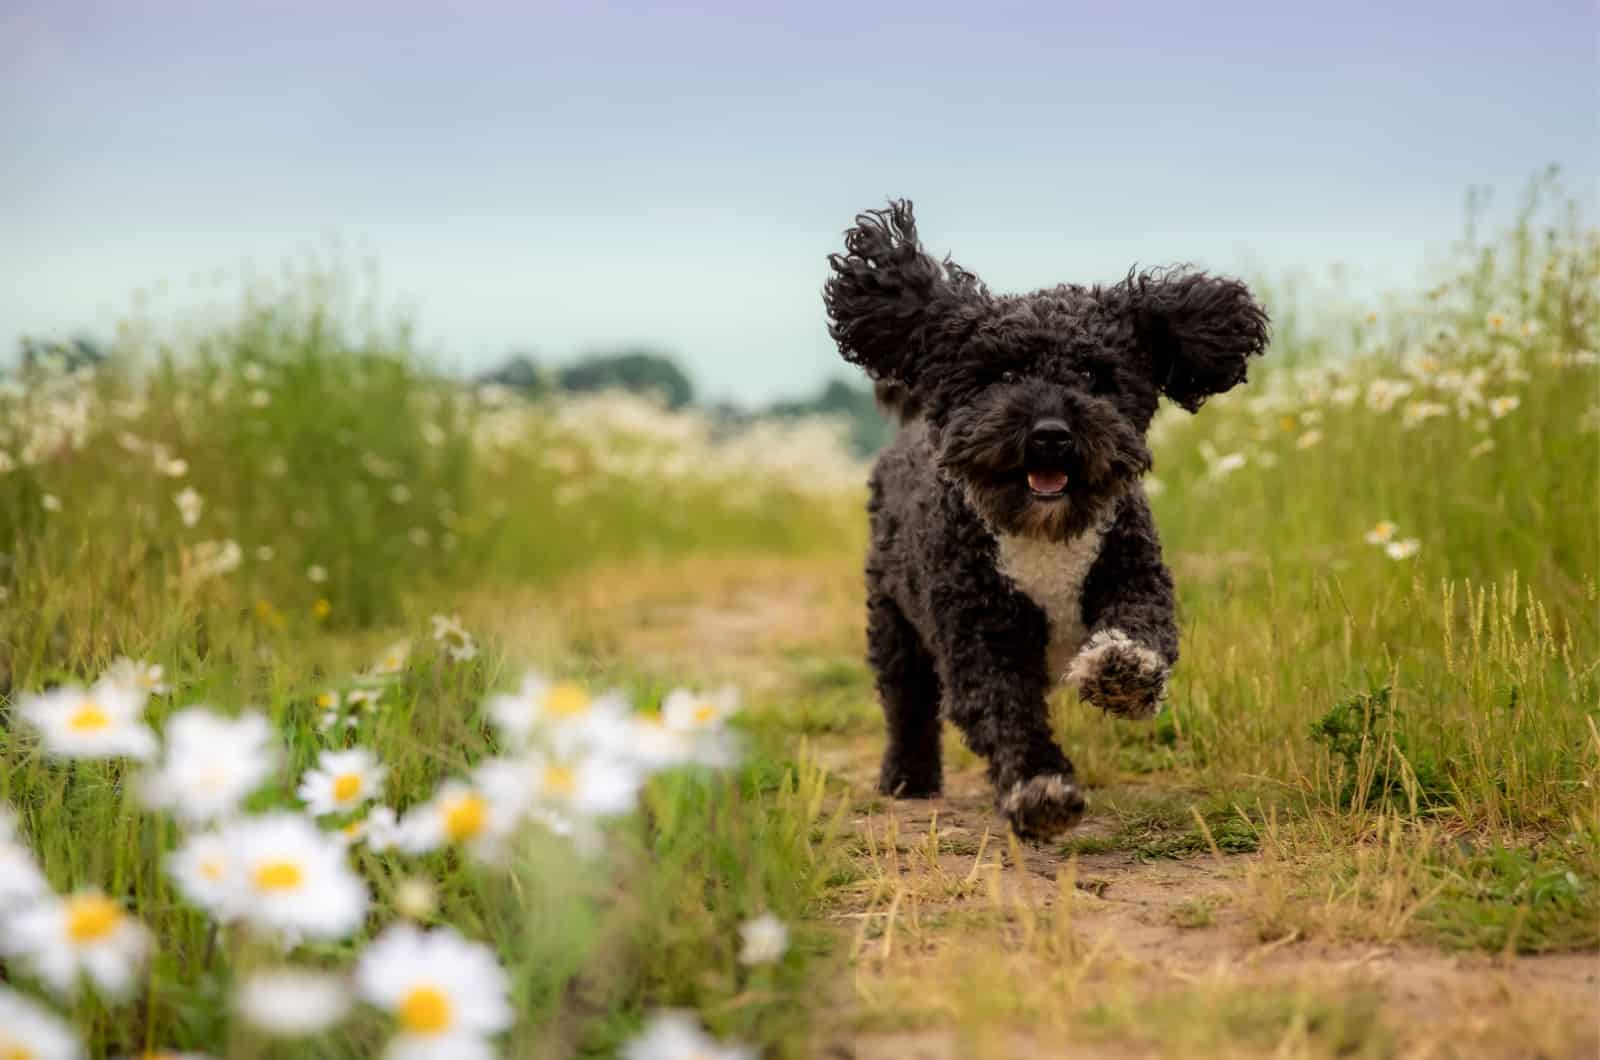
point(887, 300)
point(1199, 330)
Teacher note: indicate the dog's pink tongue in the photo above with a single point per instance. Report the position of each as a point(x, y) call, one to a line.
point(1047, 481)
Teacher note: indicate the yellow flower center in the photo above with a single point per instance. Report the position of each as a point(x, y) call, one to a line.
point(12, 1050)
point(392, 662)
point(278, 876)
point(566, 700)
point(465, 817)
point(704, 713)
point(211, 869)
point(325, 700)
point(346, 786)
point(560, 780)
point(91, 917)
point(425, 1011)
point(89, 717)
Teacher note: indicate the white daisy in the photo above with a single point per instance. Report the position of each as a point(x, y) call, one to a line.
point(292, 1002)
point(480, 816)
point(203, 869)
point(1402, 549)
point(84, 932)
point(591, 785)
point(454, 638)
point(29, 1031)
point(448, 995)
point(686, 711)
point(677, 1036)
point(134, 673)
point(1501, 407)
point(21, 880)
point(392, 661)
point(104, 721)
point(381, 829)
point(190, 505)
point(764, 940)
point(211, 763)
point(342, 781)
point(293, 878)
point(655, 745)
point(364, 698)
point(1381, 534)
point(563, 710)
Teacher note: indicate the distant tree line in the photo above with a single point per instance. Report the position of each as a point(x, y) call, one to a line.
point(648, 372)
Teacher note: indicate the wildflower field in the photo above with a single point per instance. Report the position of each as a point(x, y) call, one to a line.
point(349, 710)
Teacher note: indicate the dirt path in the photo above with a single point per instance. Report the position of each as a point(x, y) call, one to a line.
point(961, 942)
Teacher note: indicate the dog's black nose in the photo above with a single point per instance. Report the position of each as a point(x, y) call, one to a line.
point(1049, 434)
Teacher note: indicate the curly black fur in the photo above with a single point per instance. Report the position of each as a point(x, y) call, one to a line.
point(1007, 518)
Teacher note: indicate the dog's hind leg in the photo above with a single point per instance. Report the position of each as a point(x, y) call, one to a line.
point(908, 688)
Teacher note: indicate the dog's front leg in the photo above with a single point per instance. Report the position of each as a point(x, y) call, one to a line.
point(992, 667)
point(1129, 610)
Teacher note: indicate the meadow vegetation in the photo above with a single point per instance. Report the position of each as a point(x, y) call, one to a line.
point(1388, 707)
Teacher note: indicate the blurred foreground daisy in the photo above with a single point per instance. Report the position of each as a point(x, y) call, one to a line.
point(86, 932)
point(391, 662)
point(210, 764)
point(1403, 549)
point(765, 939)
point(341, 781)
point(591, 785)
point(29, 1031)
point(190, 505)
point(1504, 406)
point(480, 816)
point(448, 995)
point(292, 878)
point(292, 1003)
point(203, 870)
point(562, 711)
point(1382, 533)
point(677, 1036)
point(686, 711)
point(105, 721)
point(21, 880)
point(380, 830)
point(134, 673)
point(689, 730)
point(453, 638)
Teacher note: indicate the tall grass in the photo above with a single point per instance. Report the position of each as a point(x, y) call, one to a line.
point(1448, 673)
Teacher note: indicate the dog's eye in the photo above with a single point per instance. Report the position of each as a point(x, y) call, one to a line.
point(1008, 377)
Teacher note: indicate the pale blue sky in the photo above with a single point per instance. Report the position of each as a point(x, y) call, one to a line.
point(566, 177)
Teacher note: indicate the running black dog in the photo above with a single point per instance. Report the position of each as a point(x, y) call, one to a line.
point(1012, 545)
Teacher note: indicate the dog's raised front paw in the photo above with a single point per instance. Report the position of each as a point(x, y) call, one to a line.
point(1119, 675)
point(1043, 806)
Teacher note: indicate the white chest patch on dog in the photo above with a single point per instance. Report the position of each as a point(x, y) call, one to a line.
point(1051, 574)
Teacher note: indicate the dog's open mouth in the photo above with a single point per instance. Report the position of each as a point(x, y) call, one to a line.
point(1050, 482)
